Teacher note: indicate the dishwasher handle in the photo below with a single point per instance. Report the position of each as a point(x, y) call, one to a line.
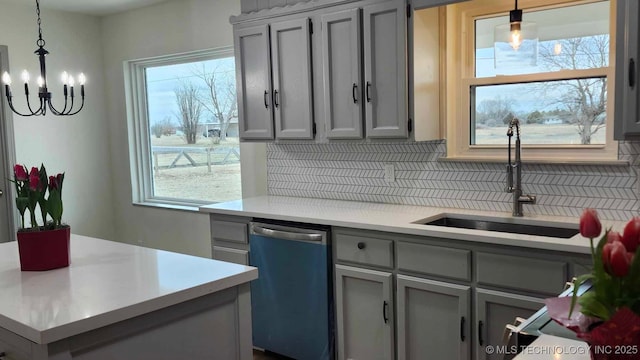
point(286, 235)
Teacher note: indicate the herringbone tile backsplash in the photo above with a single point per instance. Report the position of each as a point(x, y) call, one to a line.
point(355, 171)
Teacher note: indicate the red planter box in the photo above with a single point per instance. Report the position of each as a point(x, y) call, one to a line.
point(44, 250)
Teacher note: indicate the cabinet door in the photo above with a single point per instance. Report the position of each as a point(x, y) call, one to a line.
point(627, 97)
point(253, 78)
point(365, 314)
point(385, 70)
point(341, 59)
point(433, 320)
point(494, 310)
point(292, 92)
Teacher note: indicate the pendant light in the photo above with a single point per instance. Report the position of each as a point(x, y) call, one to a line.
point(516, 43)
point(44, 96)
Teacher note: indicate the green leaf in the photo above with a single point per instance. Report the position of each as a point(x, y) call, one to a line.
point(576, 285)
point(592, 306)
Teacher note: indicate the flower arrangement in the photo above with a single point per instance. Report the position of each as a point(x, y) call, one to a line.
point(31, 192)
point(607, 316)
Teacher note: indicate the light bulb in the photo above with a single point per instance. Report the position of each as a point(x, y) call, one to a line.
point(25, 76)
point(6, 78)
point(40, 81)
point(71, 81)
point(65, 78)
point(557, 49)
point(516, 35)
point(82, 79)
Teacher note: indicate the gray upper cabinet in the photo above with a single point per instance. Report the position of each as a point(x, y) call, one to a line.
point(341, 61)
point(385, 70)
point(433, 319)
point(627, 97)
point(292, 87)
point(364, 310)
point(253, 78)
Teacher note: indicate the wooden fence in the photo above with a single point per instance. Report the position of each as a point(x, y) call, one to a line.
point(229, 152)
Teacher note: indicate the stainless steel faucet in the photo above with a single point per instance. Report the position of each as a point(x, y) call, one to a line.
point(518, 198)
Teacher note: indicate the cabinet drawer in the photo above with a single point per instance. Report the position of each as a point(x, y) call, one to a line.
point(364, 250)
point(434, 260)
point(229, 231)
point(231, 255)
point(521, 273)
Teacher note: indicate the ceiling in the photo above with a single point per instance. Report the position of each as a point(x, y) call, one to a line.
point(91, 7)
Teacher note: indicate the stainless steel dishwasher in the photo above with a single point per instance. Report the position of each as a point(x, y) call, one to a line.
point(292, 299)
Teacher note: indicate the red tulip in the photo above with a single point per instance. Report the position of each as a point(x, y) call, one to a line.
point(590, 226)
point(34, 182)
point(631, 235)
point(20, 172)
point(616, 259)
point(613, 236)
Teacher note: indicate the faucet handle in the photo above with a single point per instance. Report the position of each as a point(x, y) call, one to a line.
point(509, 187)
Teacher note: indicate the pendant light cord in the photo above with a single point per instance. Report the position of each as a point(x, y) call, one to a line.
point(41, 41)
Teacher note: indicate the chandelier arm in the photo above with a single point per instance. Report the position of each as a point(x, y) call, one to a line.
point(64, 110)
point(10, 102)
point(77, 111)
point(29, 106)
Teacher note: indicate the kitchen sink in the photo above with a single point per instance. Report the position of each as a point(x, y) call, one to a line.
point(500, 225)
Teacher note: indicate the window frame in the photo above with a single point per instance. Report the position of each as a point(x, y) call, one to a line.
point(461, 74)
point(141, 164)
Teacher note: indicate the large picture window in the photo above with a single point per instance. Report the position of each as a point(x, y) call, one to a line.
point(184, 114)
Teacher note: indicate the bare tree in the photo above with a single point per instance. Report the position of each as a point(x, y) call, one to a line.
point(493, 111)
point(585, 99)
point(220, 97)
point(190, 110)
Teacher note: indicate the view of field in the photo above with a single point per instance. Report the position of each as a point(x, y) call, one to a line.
point(185, 181)
point(538, 134)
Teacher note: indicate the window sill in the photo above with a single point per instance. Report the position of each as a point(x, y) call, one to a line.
point(567, 161)
point(169, 206)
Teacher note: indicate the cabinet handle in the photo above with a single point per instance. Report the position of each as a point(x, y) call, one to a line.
point(266, 104)
point(480, 326)
point(462, 320)
point(385, 306)
point(368, 87)
point(361, 245)
point(276, 99)
point(354, 94)
point(632, 73)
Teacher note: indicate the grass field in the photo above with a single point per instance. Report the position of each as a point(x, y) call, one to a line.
point(185, 181)
point(538, 134)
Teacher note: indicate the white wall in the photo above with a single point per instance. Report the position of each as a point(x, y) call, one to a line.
point(174, 27)
point(77, 145)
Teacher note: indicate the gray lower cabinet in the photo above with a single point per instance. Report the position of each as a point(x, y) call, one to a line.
point(495, 309)
point(364, 309)
point(433, 319)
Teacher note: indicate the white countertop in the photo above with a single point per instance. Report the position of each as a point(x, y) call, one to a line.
point(547, 347)
point(401, 218)
point(106, 282)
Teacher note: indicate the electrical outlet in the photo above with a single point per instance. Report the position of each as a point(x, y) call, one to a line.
point(389, 173)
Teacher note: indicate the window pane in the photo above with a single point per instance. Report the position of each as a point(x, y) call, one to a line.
point(193, 127)
point(552, 112)
point(571, 37)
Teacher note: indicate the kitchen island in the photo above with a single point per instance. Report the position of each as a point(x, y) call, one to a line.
point(120, 301)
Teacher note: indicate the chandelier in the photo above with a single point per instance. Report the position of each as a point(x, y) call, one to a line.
point(44, 96)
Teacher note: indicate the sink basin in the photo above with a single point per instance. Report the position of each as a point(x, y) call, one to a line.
point(495, 224)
